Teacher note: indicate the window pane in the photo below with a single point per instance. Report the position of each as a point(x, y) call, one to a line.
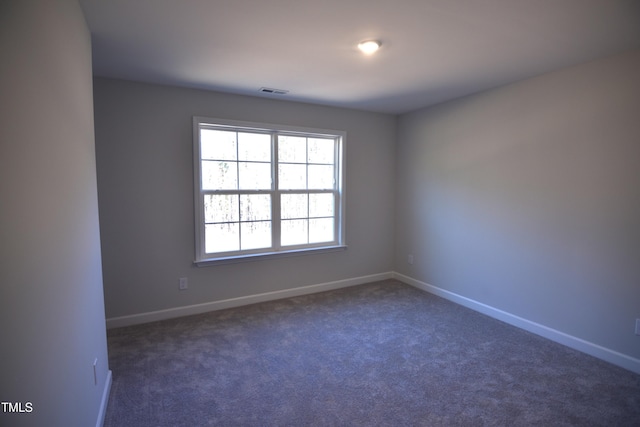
point(220, 208)
point(254, 146)
point(219, 175)
point(293, 232)
point(292, 149)
point(255, 207)
point(321, 205)
point(249, 175)
point(255, 176)
point(217, 144)
point(320, 230)
point(256, 235)
point(321, 150)
point(321, 177)
point(221, 237)
point(292, 177)
point(294, 206)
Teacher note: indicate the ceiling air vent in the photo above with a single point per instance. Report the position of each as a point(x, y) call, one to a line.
point(274, 91)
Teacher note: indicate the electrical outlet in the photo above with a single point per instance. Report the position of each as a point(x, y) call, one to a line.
point(637, 326)
point(184, 284)
point(410, 259)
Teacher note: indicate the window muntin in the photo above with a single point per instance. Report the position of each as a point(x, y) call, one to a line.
point(263, 189)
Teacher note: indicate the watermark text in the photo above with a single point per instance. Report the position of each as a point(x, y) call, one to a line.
point(17, 407)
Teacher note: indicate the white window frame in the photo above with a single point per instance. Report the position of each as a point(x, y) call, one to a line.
point(276, 250)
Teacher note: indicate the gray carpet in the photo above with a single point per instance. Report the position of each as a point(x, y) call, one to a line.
point(381, 354)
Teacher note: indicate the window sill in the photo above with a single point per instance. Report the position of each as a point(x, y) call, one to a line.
point(265, 256)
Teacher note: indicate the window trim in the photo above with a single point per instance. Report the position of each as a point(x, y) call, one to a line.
point(204, 259)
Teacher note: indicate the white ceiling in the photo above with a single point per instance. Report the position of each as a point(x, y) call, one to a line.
point(432, 50)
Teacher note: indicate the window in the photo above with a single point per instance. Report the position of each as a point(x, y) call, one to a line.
point(264, 190)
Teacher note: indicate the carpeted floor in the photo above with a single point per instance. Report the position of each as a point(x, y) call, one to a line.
point(381, 354)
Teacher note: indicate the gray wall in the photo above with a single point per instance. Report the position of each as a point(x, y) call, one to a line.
point(527, 198)
point(145, 182)
point(51, 302)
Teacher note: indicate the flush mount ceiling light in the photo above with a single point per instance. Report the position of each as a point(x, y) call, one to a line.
point(369, 46)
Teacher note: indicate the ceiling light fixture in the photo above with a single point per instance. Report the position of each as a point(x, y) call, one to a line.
point(369, 46)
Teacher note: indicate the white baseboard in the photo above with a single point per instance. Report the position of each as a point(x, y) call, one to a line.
point(579, 344)
point(153, 316)
point(105, 400)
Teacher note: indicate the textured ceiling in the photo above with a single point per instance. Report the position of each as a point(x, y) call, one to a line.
point(433, 50)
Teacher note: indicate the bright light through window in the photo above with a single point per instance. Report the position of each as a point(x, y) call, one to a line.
point(263, 189)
